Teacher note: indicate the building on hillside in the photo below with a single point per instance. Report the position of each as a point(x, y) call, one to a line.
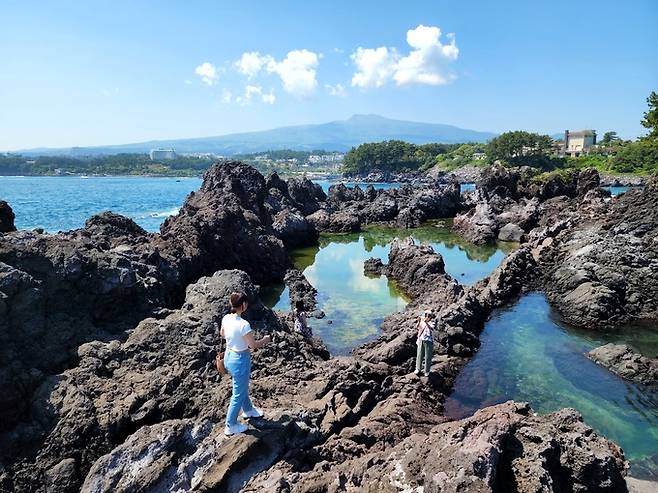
point(578, 143)
point(479, 156)
point(336, 157)
point(158, 154)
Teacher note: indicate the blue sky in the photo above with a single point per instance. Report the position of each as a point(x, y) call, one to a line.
point(109, 72)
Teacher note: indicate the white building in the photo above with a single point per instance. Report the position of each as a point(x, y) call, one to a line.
point(158, 154)
point(577, 143)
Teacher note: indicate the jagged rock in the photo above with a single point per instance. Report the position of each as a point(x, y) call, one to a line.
point(162, 371)
point(301, 290)
point(604, 272)
point(306, 195)
point(415, 268)
point(342, 221)
point(225, 224)
point(623, 361)
point(511, 232)
point(6, 218)
point(406, 207)
point(500, 448)
point(477, 225)
point(189, 455)
point(293, 229)
point(66, 289)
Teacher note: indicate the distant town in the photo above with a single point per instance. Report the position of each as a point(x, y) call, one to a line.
point(573, 148)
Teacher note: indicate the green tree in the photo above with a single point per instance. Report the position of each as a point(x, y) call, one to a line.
point(609, 138)
point(520, 148)
point(650, 119)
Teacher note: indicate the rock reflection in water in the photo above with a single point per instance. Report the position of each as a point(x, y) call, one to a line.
point(356, 304)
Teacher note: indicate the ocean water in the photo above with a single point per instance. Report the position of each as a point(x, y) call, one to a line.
point(60, 203)
point(355, 305)
point(614, 190)
point(528, 354)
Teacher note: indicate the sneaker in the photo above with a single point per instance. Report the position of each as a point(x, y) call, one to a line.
point(253, 413)
point(427, 374)
point(417, 372)
point(235, 429)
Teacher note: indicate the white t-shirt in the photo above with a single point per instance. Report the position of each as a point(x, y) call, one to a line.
point(235, 328)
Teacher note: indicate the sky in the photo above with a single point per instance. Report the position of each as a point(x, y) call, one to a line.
point(79, 73)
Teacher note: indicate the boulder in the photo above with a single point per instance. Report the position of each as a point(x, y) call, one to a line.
point(6, 218)
point(623, 361)
point(301, 290)
point(511, 232)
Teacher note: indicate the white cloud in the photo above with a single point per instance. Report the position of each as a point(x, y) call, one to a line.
point(269, 98)
point(227, 96)
point(251, 63)
point(374, 66)
point(252, 92)
point(426, 63)
point(208, 73)
point(187, 82)
point(297, 72)
point(337, 90)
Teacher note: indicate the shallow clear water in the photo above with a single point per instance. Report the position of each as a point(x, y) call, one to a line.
point(614, 190)
point(355, 304)
point(60, 203)
point(527, 354)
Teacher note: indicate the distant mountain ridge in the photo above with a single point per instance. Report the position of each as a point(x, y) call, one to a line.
point(338, 135)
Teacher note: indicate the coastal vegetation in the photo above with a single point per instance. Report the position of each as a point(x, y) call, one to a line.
point(118, 164)
point(285, 161)
point(612, 155)
point(394, 156)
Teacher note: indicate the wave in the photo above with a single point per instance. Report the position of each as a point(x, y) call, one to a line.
point(166, 213)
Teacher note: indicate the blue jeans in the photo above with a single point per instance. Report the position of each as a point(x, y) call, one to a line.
point(239, 366)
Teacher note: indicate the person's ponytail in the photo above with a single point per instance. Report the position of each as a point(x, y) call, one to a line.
point(237, 300)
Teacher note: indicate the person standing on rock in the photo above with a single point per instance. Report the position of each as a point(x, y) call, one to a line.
point(425, 342)
point(299, 318)
point(237, 360)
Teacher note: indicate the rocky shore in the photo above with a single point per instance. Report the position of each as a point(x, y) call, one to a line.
point(108, 335)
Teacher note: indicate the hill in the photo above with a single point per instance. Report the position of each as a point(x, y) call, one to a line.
point(338, 135)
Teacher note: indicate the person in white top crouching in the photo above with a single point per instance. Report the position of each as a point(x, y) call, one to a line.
point(237, 360)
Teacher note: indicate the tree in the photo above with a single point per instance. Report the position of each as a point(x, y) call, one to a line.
point(609, 138)
point(650, 119)
point(521, 148)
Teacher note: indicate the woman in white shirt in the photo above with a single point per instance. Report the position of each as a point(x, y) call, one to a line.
point(237, 360)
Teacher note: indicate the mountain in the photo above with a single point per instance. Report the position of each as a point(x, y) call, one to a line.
point(333, 136)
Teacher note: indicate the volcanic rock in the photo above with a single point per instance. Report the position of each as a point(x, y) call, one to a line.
point(300, 290)
point(226, 224)
point(6, 218)
point(623, 361)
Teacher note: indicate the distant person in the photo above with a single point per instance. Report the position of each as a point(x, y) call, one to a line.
point(237, 359)
point(299, 319)
point(425, 342)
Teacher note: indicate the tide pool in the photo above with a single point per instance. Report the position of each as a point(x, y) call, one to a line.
point(527, 354)
point(355, 305)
